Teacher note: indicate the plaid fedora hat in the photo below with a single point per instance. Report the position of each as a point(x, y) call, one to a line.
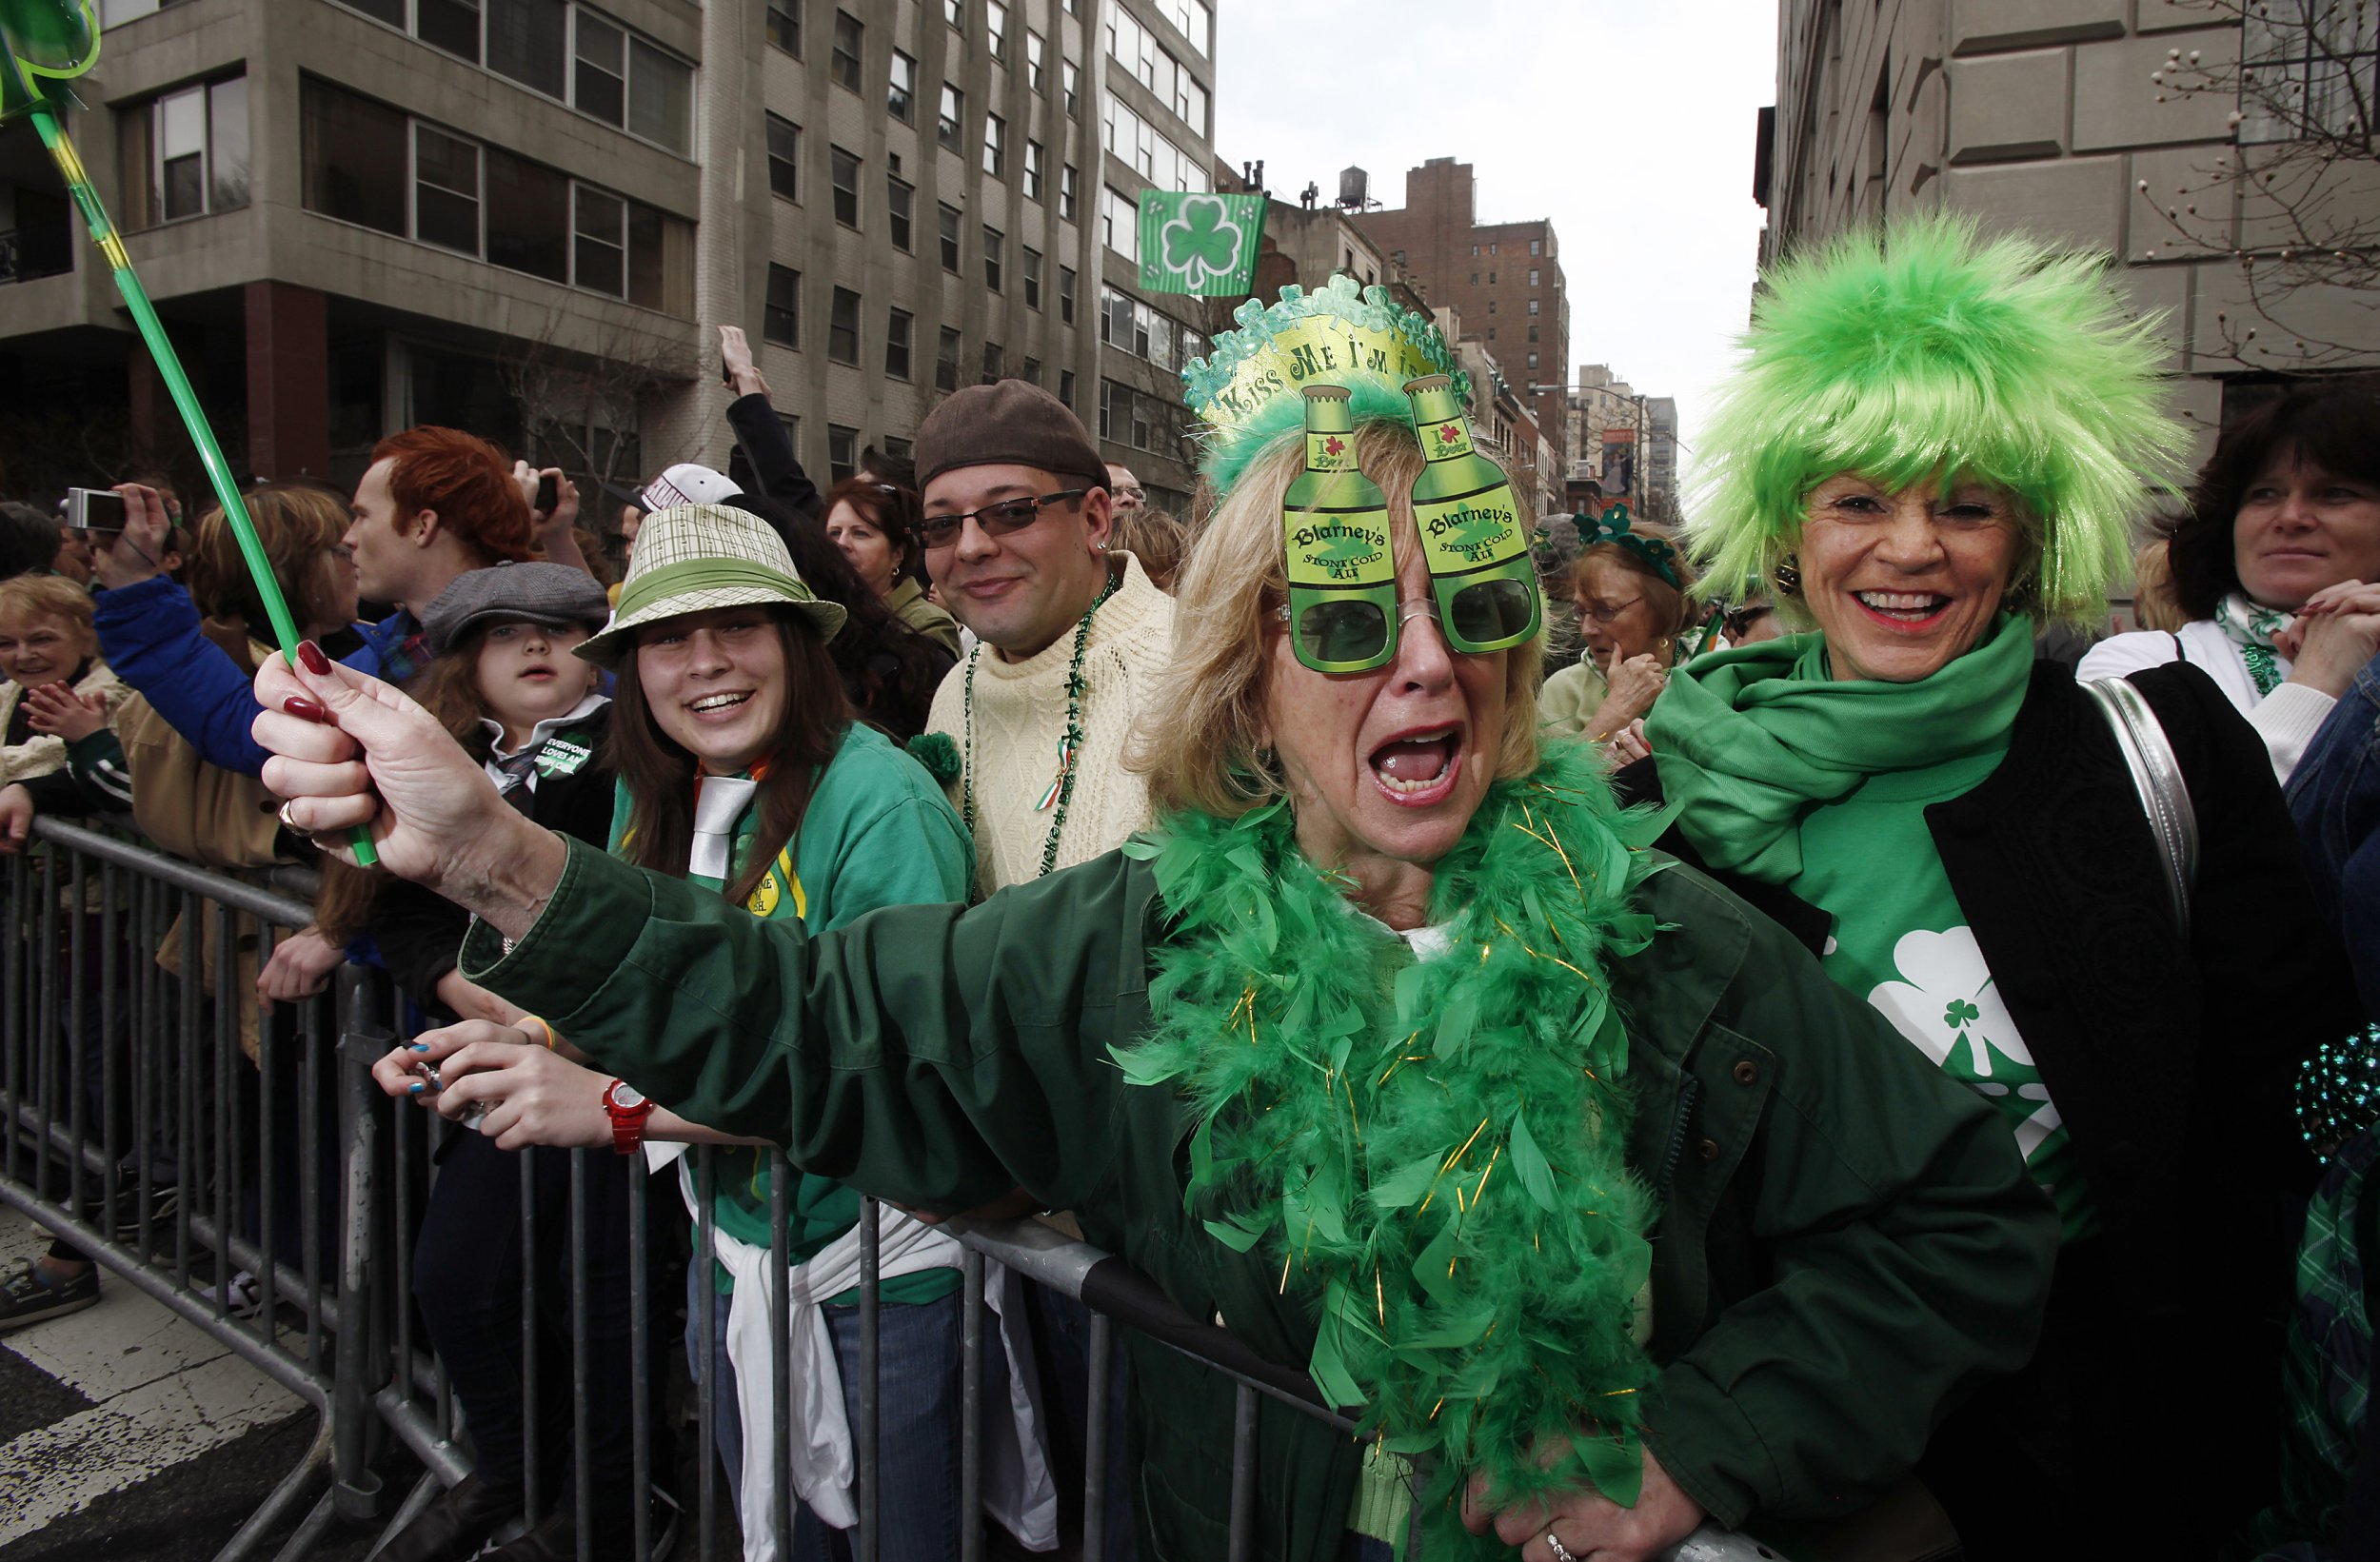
point(693, 558)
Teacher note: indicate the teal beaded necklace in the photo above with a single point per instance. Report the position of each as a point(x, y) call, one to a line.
point(1069, 744)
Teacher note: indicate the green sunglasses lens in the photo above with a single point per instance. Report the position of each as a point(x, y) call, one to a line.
point(1348, 633)
point(1494, 612)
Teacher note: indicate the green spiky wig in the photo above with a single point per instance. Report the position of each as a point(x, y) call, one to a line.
point(1246, 389)
point(1919, 353)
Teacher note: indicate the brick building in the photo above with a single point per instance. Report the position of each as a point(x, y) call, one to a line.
point(1504, 280)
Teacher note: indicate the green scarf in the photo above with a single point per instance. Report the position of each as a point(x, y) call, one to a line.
point(1433, 1152)
point(1750, 741)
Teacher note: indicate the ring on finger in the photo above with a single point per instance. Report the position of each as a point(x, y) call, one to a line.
point(1562, 1552)
point(291, 824)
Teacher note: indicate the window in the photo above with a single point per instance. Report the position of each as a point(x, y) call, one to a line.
point(1533, 333)
point(1065, 386)
point(842, 66)
point(525, 42)
point(842, 328)
point(1536, 247)
point(1533, 306)
point(1491, 279)
point(996, 27)
point(1193, 19)
point(844, 169)
point(1491, 329)
point(1491, 306)
point(1032, 260)
point(355, 156)
point(785, 158)
point(842, 451)
point(946, 125)
point(1491, 247)
point(947, 361)
point(1130, 325)
point(994, 145)
point(993, 360)
point(781, 316)
point(1032, 170)
point(1069, 85)
point(955, 13)
point(1474, 279)
point(1035, 48)
point(661, 97)
point(898, 199)
point(527, 213)
point(1143, 56)
point(1475, 252)
point(600, 250)
point(451, 24)
point(2308, 72)
point(896, 447)
point(445, 190)
point(993, 252)
point(902, 98)
point(1119, 223)
point(1165, 164)
point(1067, 183)
point(782, 26)
point(1533, 276)
point(600, 83)
point(1065, 294)
point(896, 327)
point(187, 153)
point(950, 239)
point(1533, 362)
point(1031, 373)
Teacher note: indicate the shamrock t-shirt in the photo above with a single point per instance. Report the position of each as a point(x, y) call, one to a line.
point(1901, 942)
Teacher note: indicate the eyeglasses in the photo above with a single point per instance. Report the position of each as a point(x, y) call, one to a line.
point(1133, 491)
point(1353, 634)
point(936, 532)
point(1606, 612)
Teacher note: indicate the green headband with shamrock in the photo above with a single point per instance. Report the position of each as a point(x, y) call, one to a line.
point(1613, 527)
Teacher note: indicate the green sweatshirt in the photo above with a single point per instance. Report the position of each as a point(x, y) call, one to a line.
point(1847, 1238)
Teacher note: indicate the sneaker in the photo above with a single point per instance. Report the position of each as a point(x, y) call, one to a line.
point(29, 1295)
point(243, 1297)
point(164, 1199)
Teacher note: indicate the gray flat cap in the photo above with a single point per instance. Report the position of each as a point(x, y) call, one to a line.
point(550, 594)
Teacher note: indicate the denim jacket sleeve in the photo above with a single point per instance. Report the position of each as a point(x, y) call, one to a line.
point(2334, 797)
point(149, 632)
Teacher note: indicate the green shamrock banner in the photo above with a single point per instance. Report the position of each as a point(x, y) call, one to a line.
point(1195, 243)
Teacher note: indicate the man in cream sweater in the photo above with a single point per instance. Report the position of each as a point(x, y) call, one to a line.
point(1018, 522)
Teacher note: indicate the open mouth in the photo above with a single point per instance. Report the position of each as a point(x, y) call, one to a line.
point(539, 675)
point(713, 704)
point(1417, 769)
point(1904, 609)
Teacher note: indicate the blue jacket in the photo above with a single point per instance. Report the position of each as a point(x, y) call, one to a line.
point(150, 634)
point(2334, 795)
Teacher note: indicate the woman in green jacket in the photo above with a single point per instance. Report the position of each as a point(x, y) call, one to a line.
point(1573, 1179)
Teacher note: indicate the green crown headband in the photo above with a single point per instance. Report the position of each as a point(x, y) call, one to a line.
point(1613, 527)
point(1247, 389)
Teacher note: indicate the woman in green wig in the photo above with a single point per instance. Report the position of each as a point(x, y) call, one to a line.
point(1933, 448)
point(1550, 1162)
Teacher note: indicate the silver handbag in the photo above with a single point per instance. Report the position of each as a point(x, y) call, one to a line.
point(2157, 776)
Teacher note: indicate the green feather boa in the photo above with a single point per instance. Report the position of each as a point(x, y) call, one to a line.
point(1432, 1152)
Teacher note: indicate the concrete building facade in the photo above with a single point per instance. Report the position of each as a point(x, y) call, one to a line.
point(1504, 279)
point(528, 216)
point(2085, 121)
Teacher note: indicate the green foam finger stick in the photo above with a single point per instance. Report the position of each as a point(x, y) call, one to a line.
point(52, 41)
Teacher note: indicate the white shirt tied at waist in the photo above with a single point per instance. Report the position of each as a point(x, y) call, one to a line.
point(1019, 1489)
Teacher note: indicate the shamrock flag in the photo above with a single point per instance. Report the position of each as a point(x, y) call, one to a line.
point(1195, 243)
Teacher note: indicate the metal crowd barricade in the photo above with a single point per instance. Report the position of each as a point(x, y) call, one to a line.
point(132, 1125)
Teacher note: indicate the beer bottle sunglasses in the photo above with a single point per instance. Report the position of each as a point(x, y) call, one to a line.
point(1356, 629)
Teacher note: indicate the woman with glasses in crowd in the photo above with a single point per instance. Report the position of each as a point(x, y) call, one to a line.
point(870, 522)
point(1631, 594)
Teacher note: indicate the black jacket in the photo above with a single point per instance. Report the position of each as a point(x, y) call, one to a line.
point(2170, 1062)
point(418, 932)
point(763, 460)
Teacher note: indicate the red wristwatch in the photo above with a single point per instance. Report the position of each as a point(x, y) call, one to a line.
point(628, 1107)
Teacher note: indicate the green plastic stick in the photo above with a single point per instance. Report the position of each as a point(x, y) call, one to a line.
point(161, 352)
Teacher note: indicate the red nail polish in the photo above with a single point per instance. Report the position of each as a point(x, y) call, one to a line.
point(312, 656)
point(298, 705)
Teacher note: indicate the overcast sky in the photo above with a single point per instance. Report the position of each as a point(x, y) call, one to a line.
point(1628, 124)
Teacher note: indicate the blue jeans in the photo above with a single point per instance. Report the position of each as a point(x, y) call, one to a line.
point(918, 1359)
point(2334, 795)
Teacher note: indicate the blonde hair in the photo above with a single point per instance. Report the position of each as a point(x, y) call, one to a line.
point(1207, 754)
point(2154, 603)
point(1671, 604)
point(24, 597)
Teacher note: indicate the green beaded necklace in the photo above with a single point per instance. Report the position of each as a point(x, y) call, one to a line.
point(1068, 745)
